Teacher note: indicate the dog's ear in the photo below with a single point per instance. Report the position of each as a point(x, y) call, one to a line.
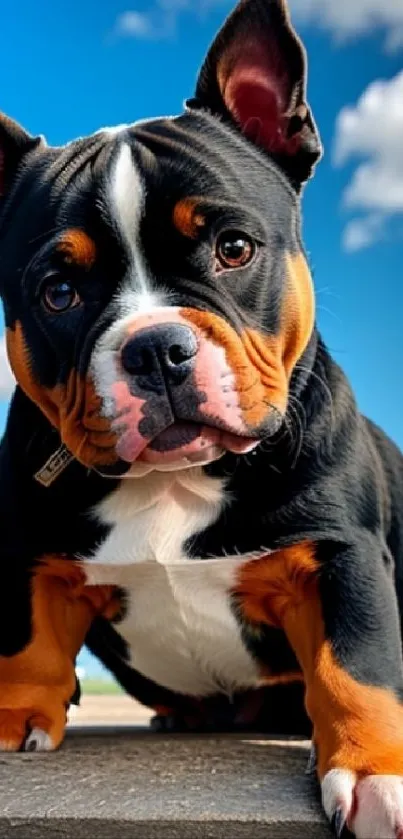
point(15, 143)
point(255, 75)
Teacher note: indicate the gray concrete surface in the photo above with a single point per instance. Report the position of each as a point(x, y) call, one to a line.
point(131, 784)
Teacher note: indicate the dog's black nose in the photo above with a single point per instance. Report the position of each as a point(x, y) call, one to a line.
point(168, 349)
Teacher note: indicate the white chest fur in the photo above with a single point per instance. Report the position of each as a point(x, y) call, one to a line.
point(152, 517)
point(180, 627)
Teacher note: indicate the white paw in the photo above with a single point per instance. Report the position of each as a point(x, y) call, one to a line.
point(371, 808)
point(38, 741)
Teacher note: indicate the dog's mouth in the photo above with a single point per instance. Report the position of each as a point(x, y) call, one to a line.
point(194, 443)
point(180, 446)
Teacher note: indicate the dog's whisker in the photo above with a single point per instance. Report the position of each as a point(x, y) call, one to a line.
point(43, 235)
point(325, 388)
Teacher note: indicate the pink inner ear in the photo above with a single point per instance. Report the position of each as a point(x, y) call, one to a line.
point(256, 91)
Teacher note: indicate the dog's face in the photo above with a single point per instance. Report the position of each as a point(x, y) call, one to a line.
point(156, 296)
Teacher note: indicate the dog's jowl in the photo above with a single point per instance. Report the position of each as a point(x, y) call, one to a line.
point(186, 482)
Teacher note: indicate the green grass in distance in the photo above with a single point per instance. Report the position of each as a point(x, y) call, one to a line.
point(100, 687)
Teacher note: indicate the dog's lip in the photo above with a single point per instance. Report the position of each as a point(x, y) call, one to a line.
point(202, 443)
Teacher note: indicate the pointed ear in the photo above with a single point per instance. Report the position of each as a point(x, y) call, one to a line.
point(15, 143)
point(255, 75)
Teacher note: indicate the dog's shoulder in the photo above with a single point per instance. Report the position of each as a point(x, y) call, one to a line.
point(46, 496)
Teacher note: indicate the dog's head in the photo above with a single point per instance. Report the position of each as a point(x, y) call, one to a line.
point(156, 295)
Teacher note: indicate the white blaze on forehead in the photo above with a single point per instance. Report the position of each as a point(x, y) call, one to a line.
point(142, 302)
point(126, 203)
point(127, 194)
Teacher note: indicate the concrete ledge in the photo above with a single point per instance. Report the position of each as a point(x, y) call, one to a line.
point(127, 782)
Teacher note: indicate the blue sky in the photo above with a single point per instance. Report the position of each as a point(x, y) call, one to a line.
point(71, 66)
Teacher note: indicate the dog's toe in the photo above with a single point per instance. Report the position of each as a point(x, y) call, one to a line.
point(38, 741)
point(23, 730)
point(379, 807)
point(370, 807)
point(13, 728)
point(337, 797)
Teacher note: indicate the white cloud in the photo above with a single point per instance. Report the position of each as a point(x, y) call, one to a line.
point(347, 19)
point(161, 20)
point(363, 232)
point(7, 381)
point(372, 130)
point(134, 25)
point(344, 19)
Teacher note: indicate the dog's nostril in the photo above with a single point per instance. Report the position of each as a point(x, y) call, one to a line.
point(146, 364)
point(139, 363)
point(177, 354)
point(164, 349)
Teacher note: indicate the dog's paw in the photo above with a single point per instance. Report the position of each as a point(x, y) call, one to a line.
point(369, 807)
point(167, 724)
point(24, 730)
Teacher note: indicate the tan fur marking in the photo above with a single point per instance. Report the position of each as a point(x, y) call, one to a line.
point(74, 408)
point(37, 684)
point(356, 726)
point(77, 248)
point(298, 316)
point(187, 219)
point(255, 360)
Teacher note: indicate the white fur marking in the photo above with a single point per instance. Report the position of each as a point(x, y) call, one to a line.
point(179, 624)
point(378, 813)
point(38, 741)
point(181, 629)
point(153, 517)
point(127, 196)
point(337, 791)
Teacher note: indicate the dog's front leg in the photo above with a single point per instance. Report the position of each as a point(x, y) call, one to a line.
point(337, 606)
point(37, 682)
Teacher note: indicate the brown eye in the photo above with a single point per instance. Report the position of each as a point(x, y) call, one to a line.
point(234, 249)
point(59, 296)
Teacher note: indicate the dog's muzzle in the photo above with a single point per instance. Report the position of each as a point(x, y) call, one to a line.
point(172, 391)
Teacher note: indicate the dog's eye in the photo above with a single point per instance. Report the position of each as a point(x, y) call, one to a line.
point(60, 295)
point(234, 249)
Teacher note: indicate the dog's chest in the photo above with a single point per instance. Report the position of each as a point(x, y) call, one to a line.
point(181, 628)
point(179, 624)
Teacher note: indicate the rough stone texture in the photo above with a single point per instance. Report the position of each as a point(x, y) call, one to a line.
point(130, 783)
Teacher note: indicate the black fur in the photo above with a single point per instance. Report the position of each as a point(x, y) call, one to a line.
point(328, 475)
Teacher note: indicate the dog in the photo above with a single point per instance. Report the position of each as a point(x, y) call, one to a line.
point(187, 484)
